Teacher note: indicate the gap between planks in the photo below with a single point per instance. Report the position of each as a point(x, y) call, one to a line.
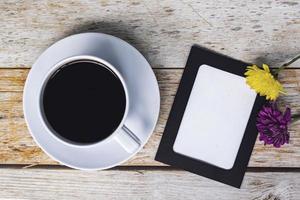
point(148, 168)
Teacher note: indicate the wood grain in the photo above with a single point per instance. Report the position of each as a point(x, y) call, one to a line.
point(17, 146)
point(142, 184)
point(253, 30)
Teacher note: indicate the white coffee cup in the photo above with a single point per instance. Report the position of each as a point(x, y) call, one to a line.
point(142, 106)
point(122, 134)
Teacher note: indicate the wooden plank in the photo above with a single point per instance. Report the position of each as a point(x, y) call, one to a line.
point(17, 146)
point(254, 31)
point(142, 184)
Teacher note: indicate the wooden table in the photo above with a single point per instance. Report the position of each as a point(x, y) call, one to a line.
point(255, 31)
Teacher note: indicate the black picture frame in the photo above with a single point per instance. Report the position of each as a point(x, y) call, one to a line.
point(165, 154)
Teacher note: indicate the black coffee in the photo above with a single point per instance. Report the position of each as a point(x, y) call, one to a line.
point(84, 102)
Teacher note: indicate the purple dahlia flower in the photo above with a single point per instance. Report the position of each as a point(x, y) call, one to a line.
point(272, 125)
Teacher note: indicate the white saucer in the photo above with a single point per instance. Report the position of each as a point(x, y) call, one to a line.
point(143, 111)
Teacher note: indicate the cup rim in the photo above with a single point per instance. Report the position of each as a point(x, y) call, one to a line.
point(45, 81)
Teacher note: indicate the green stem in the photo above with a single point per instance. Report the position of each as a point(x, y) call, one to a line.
point(276, 71)
point(295, 118)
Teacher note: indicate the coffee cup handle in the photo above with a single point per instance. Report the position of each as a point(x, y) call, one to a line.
point(128, 140)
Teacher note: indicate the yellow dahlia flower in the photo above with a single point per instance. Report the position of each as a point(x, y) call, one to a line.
point(263, 82)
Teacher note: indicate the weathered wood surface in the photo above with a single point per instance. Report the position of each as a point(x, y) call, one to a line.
point(252, 30)
point(17, 146)
point(142, 184)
